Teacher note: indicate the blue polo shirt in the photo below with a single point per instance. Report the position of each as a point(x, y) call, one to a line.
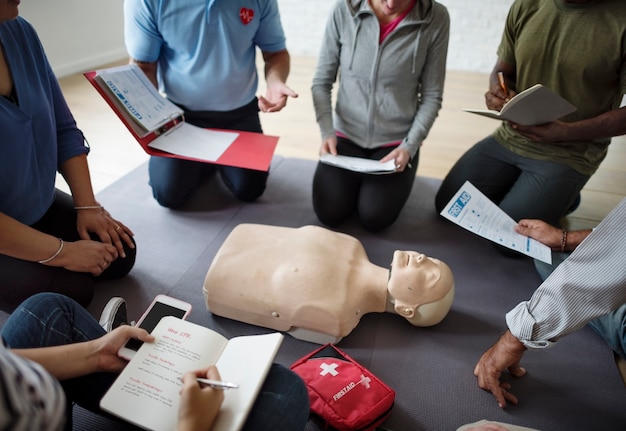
point(206, 49)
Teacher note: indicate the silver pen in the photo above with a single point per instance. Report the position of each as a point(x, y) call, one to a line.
point(216, 384)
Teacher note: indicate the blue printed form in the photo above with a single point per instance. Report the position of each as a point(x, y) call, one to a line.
point(472, 210)
point(139, 96)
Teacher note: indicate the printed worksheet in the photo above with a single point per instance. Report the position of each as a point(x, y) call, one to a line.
point(473, 211)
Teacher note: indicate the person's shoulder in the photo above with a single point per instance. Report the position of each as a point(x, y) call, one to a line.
point(20, 28)
point(440, 12)
point(21, 23)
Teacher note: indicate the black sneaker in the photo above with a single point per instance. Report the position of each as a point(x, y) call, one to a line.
point(114, 314)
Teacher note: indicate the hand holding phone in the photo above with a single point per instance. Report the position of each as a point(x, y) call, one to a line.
point(160, 307)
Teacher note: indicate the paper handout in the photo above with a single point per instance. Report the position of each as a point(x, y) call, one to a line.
point(358, 164)
point(473, 211)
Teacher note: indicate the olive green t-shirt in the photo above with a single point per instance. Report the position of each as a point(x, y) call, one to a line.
point(579, 52)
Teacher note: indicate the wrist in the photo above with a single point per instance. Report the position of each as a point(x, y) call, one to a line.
point(94, 205)
point(564, 241)
point(54, 255)
point(513, 343)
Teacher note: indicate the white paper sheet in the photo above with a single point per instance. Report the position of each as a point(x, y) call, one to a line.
point(473, 211)
point(359, 164)
point(195, 142)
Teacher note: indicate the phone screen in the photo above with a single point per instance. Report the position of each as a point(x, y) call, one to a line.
point(154, 316)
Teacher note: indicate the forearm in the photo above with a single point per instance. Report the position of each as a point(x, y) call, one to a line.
point(322, 105)
point(425, 116)
point(23, 242)
point(277, 66)
point(76, 174)
point(607, 125)
point(66, 361)
point(149, 68)
point(321, 89)
point(589, 284)
point(572, 239)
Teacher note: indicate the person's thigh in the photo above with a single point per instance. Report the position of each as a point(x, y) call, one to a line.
point(545, 269)
point(21, 279)
point(612, 327)
point(174, 180)
point(336, 190)
point(487, 165)
point(544, 190)
point(282, 404)
point(49, 319)
point(335, 193)
point(246, 184)
point(382, 197)
point(60, 219)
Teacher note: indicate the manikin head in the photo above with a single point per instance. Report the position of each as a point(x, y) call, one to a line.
point(421, 289)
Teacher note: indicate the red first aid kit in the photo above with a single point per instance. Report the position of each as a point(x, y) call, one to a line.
point(342, 392)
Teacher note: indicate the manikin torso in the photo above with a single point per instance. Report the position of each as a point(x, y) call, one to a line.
point(311, 282)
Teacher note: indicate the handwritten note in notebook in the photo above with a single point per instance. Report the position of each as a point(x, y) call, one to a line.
point(146, 393)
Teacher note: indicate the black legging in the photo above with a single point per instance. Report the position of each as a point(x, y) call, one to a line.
point(20, 279)
point(377, 199)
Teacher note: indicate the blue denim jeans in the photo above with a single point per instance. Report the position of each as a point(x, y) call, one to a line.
point(611, 327)
point(50, 319)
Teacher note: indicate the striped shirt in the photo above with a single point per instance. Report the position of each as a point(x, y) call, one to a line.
point(30, 398)
point(590, 283)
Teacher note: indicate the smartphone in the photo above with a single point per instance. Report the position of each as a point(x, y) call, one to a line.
point(161, 306)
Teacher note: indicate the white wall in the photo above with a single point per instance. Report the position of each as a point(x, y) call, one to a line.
point(475, 29)
point(80, 34)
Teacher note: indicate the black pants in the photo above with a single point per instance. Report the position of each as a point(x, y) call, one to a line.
point(376, 199)
point(20, 279)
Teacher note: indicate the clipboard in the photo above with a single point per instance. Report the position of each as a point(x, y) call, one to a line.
point(248, 149)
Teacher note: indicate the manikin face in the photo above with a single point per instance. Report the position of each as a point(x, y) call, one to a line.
point(8, 9)
point(416, 280)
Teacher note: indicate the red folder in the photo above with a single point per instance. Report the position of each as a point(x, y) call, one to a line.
point(250, 150)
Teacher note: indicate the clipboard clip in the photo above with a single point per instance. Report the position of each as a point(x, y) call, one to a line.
point(170, 126)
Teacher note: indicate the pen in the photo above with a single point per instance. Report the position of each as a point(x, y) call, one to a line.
point(502, 83)
point(216, 384)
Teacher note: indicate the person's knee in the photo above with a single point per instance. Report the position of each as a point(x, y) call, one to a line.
point(329, 218)
point(283, 391)
point(377, 222)
point(169, 197)
point(247, 186)
point(250, 193)
point(122, 265)
point(332, 211)
point(43, 300)
point(442, 198)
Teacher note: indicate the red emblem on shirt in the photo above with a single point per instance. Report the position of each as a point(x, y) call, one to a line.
point(246, 15)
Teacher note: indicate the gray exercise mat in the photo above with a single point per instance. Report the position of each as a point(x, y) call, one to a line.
point(573, 386)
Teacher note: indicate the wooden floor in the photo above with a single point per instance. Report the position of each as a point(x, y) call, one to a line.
point(114, 151)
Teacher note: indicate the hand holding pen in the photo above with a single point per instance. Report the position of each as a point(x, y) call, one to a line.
point(200, 404)
point(498, 93)
point(503, 86)
point(216, 384)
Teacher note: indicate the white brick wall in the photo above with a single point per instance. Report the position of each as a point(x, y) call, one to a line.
point(475, 29)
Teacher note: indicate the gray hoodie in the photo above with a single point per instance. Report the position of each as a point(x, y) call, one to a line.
point(387, 92)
